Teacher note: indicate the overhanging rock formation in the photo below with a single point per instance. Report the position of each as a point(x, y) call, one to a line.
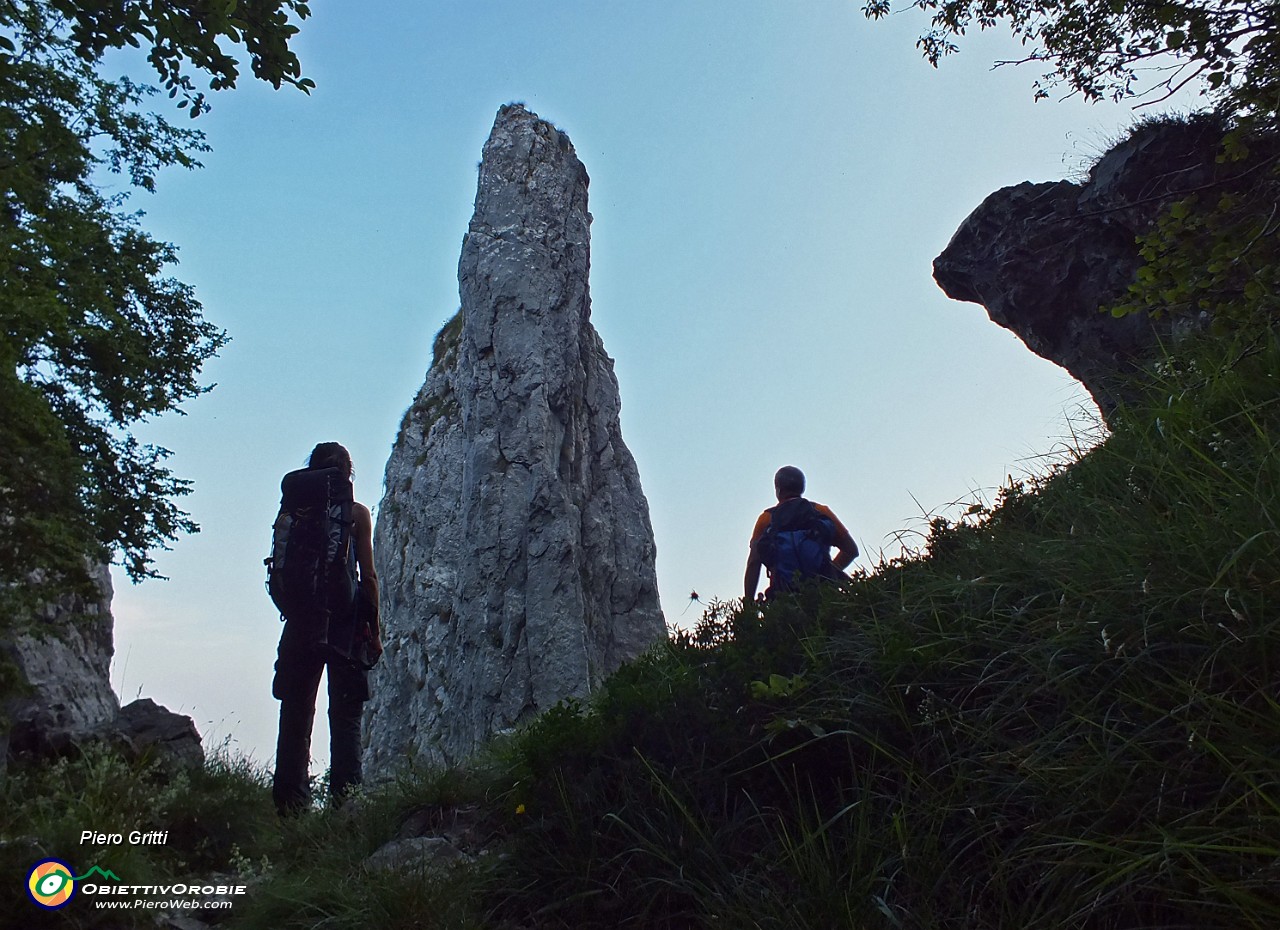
point(1047, 259)
point(513, 542)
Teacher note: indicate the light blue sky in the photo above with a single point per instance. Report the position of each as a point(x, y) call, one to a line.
point(770, 182)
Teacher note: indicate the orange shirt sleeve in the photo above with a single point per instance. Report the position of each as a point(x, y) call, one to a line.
point(762, 521)
point(826, 512)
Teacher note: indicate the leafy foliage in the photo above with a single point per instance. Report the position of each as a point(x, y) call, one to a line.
point(97, 336)
point(1214, 252)
point(1124, 49)
point(189, 34)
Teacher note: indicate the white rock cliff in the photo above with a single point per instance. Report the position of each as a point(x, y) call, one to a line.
point(63, 657)
point(513, 542)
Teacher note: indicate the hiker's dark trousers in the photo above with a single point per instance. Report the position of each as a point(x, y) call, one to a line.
point(299, 664)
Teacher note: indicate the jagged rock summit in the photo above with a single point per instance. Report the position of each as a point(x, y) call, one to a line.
point(1045, 259)
point(513, 542)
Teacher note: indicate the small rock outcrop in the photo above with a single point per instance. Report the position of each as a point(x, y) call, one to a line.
point(1045, 259)
point(146, 729)
point(434, 837)
point(513, 542)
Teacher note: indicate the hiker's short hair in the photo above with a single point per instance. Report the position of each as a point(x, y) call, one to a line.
point(331, 455)
point(789, 480)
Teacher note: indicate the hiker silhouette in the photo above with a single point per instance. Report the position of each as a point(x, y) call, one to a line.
point(793, 541)
point(322, 577)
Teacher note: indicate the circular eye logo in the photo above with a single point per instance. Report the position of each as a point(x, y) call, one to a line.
point(51, 884)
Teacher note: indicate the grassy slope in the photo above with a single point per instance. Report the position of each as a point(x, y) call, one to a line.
point(1064, 715)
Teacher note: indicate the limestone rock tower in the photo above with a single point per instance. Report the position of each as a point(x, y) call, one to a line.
point(513, 542)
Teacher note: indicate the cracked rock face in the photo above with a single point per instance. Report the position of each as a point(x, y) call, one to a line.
point(513, 542)
point(65, 701)
point(64, 659)
point(1047, 259)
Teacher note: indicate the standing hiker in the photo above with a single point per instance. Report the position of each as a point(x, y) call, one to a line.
point(793, 540)
point(321, 576)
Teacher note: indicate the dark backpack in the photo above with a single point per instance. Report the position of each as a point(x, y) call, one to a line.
point(796, 545)
point(311, 572)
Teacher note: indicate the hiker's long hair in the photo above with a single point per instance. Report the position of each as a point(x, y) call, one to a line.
point(331, 455)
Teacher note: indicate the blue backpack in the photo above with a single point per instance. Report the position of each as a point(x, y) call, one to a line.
point(796, 546)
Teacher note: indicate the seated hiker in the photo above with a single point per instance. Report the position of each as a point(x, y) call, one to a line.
point(793, 540)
